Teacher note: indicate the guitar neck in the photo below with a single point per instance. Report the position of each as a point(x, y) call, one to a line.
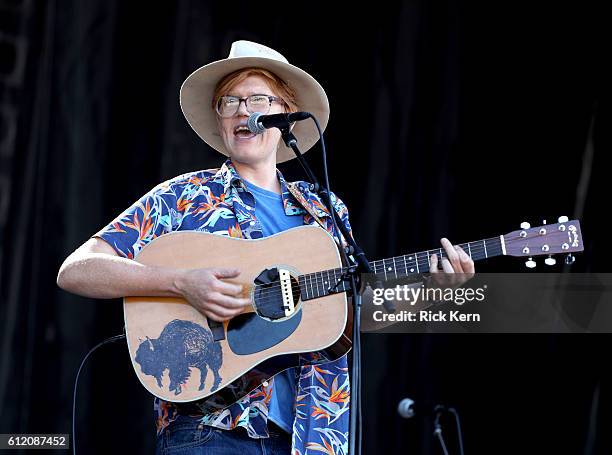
point(320, 284)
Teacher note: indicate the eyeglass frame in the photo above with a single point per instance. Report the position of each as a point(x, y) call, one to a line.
point(271, 99)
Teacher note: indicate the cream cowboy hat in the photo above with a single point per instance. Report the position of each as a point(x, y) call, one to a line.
point(197, 93)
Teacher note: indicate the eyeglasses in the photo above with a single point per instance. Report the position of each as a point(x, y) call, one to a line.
point(229, 105)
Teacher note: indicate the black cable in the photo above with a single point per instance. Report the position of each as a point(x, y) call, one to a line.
point(438, 433)
point(76, 383)
point(459, 434)
point(342, 231)
point(438, 427)
point(358, 258)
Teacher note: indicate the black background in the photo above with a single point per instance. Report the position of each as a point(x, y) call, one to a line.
point(448, 119)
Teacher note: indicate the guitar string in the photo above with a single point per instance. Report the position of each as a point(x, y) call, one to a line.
point(317, 279)
point(314, 281)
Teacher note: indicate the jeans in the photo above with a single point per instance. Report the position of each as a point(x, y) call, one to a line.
point(186, 436)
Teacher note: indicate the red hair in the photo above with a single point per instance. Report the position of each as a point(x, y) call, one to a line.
point(278, 86)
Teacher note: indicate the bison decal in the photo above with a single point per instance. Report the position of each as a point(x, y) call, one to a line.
point(181, 345)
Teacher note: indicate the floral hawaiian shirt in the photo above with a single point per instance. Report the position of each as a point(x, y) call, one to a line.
point(217, 201)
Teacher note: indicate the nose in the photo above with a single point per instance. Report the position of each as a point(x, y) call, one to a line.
point(242, 108)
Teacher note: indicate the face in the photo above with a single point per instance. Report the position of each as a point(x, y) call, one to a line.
point(246, 147)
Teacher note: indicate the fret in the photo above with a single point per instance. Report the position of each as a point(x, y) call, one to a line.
point(324, 282)
point(303, 287)
point(395, 268)
point(484, 243)
point(306, 287)
point(311, 288)
point(329, 283)
point(411, 269)
point(385, 269)
point(405, 264)
point(323, 287)
point(416, 261)
point(469, 249)
point(478, 252)
point(332, 282)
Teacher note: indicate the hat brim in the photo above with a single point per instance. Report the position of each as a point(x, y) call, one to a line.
point(197, 92)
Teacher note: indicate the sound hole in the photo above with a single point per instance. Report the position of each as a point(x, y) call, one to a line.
point(276, 295)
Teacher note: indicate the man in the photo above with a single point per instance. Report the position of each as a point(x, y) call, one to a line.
point(302, 408)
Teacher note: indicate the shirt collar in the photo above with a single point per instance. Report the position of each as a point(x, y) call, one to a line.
point(230, 178)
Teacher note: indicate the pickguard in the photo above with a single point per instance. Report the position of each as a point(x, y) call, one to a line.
point(248, 333)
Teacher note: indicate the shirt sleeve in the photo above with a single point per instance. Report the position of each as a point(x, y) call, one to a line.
point(154, 214)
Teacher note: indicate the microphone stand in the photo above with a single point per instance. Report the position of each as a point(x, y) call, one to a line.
point(360, 265)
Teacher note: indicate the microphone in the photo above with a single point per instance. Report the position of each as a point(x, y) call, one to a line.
point(407, 408)
point(258, 123)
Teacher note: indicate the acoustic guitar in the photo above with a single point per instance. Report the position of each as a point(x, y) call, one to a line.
point(297, 286)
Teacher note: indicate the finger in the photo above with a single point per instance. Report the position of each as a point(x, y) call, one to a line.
point(226, 272)
point(452, 255)
point(223, 287)
point(218, 315)
point(467, 264)
point(433, 264)
point(220, 312)
point(229, 302)
point(447, 266)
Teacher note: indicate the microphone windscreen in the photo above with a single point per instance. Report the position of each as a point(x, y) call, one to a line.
point(405, 408)
point(253, 123)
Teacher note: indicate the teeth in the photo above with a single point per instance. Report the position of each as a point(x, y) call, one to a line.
point(241, 128)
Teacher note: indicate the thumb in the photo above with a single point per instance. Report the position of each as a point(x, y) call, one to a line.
point(226, 272)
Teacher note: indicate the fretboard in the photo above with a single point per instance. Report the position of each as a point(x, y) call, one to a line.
point(320, 284)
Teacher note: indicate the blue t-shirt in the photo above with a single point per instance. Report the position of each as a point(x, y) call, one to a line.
point(271, 214)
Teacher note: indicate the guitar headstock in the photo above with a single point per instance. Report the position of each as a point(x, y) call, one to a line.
point(548, 239)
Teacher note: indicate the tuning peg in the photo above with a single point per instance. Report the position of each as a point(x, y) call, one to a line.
point(570, 259)
point(550, 260)
point(530, 263)
point(525, 225)
point(563, 219)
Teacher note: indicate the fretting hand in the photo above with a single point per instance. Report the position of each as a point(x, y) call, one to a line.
point(457, 267)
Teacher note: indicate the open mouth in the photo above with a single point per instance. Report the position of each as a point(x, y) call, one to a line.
point(243, 132)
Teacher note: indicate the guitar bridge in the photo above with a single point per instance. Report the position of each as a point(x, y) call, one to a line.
point(286, 291)
point(276, 294)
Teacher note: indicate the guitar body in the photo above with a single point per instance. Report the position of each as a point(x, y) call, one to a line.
point(298, 314)
point(180, 356)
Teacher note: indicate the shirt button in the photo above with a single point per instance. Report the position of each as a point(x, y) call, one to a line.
point(252, 223)
point(265, 383)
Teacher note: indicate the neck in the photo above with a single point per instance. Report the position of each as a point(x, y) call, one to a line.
point(317, 284)
point(262, 174)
